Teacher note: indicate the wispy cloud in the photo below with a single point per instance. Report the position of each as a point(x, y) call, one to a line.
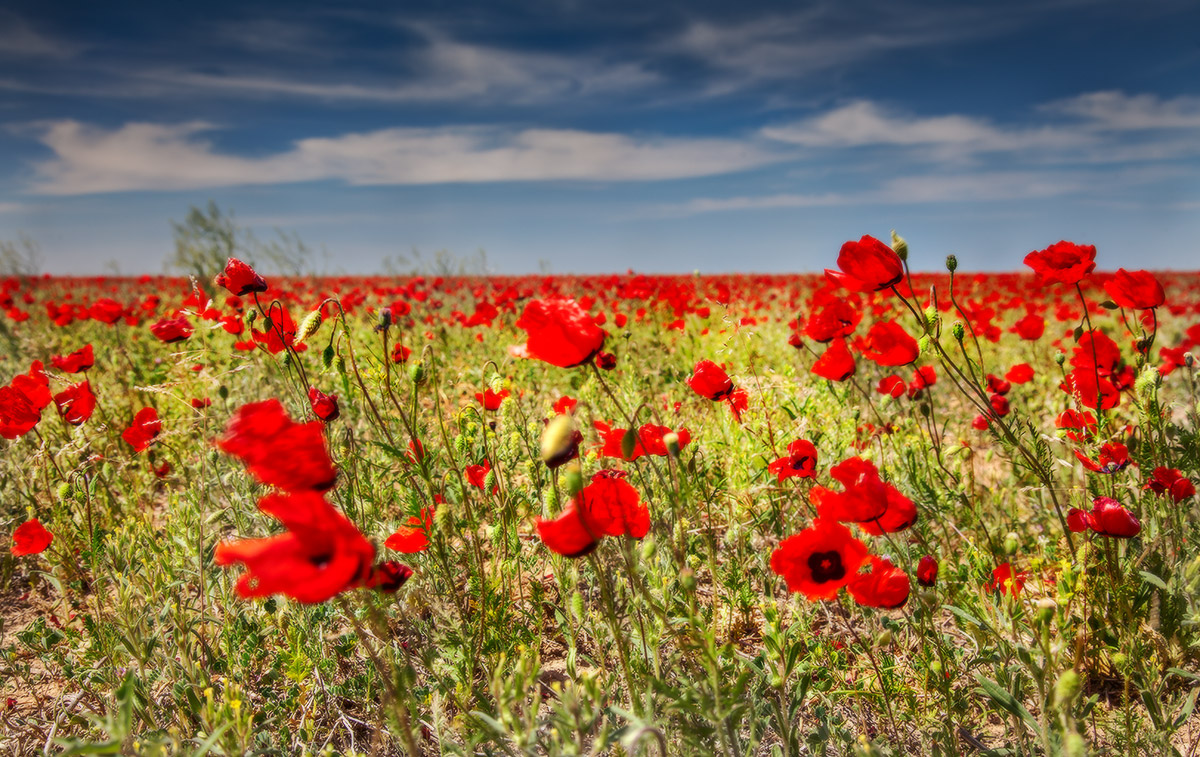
point(1118, 111)
point(18, 39)
point(144, 156)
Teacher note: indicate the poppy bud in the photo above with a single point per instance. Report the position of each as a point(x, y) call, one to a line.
point(1060, 357)
point(951, 263)
point(577, 605)
point(64, 490)
point(340, 365)
point(573, 479)
point(1188, 359)
point(385, 319)
point(931, 316)
point(552, 499)
point(1012, 543)
point(557, 438)
point(924, 409)
point(629, 443)
point(958, 330)
point(687, 579)
point(251, 317)
point(1067, 688)
point(649, 548)
point(268, 324)
point(935, 667)
point(671, 440)
point(489, 481)
point(1147, 382)
point(884, 639)
point(899, 246)
point(417, 373)
point(223, 392)
point(308, 327)
point(327, 356)
point(1119, 660)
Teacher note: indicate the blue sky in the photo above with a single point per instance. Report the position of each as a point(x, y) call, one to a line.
point(753, 136)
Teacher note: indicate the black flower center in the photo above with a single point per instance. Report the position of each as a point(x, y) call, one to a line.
point(826, 566)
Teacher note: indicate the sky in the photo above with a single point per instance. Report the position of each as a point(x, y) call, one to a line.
point(564, 136)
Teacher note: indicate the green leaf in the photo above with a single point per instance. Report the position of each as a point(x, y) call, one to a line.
point(1002, 697)
point(1152, 579)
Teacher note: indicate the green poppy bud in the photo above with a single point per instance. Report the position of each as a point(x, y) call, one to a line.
point(557, 438)
point(1060, 357)
point(629, 443)
point(417, 373)
point(223, 392)
point(1012, 543)
point(951, 263)
point(900, 246)
point(308, 327)
point(1067, 688)
point(573, 478)
point(958, 330)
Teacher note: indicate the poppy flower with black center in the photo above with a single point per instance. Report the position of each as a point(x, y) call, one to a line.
point(927, 571)
point(710, 381)
point(875, 505)
point(837, 318)
point(76, 403)
point(143, 430)
point(867, 265)
point(608, 506)
point(1171, 482)
point(491, 400)
point(171, 330)
point(819, 561)
point(1113, 457)
point(22, 401)
point(800, 461)
point(76, 362)
point(560, 332)
point(1062, 263)
point(413, 536)
point(1135, 289)
point(1030, 328)
point(240, 279)
point(321, 554)
point(31, 538)
point(324, 406)
point(883, 585)
point(388, 576)
point(1107, 518)
point(277, 450)
point(888, 344)
point(1006, 580)
point(836, 364)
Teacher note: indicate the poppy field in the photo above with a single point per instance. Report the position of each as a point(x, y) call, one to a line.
point(865, 512)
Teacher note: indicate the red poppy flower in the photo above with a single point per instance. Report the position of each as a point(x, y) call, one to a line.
point(1113, 457)
point(738, 402)
point(277, 450)
point(997, 385)
point(171, 330)
point(199, 403)
point(923, 378)
point(838, 318)
point(324, 406)
point(491, 400)
point(400, 353)
point(836, 364)
point(800, 461)
point(883, 585)
point(565, 404)
point(1007, 581)
point(606, 361)
point(1030, 328)
point(820, 560)
point(608, 506)
point(999, 405)
point(1082, 383)
point(388, 576)
point(321, 554)
point(1097, 352)
point(875, 505)
point(1021, 373)
point(76, 403)
point(1171, 482)
point(280, 334)
point(1062, 263)
point(867, 265)
point(240, 279)
point(1109, 518)
point(143, 430)
point(560, 332)
point(710, 381)
point(1135, 289)
point(650, 440)
point(891, 385)
point(106, 310)
point(890, 345)
point(1078, 426)
point(476, 475)
point(413, 536)
point(79, 360)
point(31, 538)
point(927, 571)
point(22, 401)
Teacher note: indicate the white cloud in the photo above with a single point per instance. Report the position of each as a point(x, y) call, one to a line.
point(863, 123)
point(143, 156)
point(1121, 112)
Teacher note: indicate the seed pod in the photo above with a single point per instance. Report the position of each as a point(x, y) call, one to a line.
point(951, 263)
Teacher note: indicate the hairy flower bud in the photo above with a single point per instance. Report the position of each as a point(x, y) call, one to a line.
point(417, 373)
point(1067, 688)
point(557, 438)
point(573, 478)
point(958, 330)
point(899, 246)
point(308, 327)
